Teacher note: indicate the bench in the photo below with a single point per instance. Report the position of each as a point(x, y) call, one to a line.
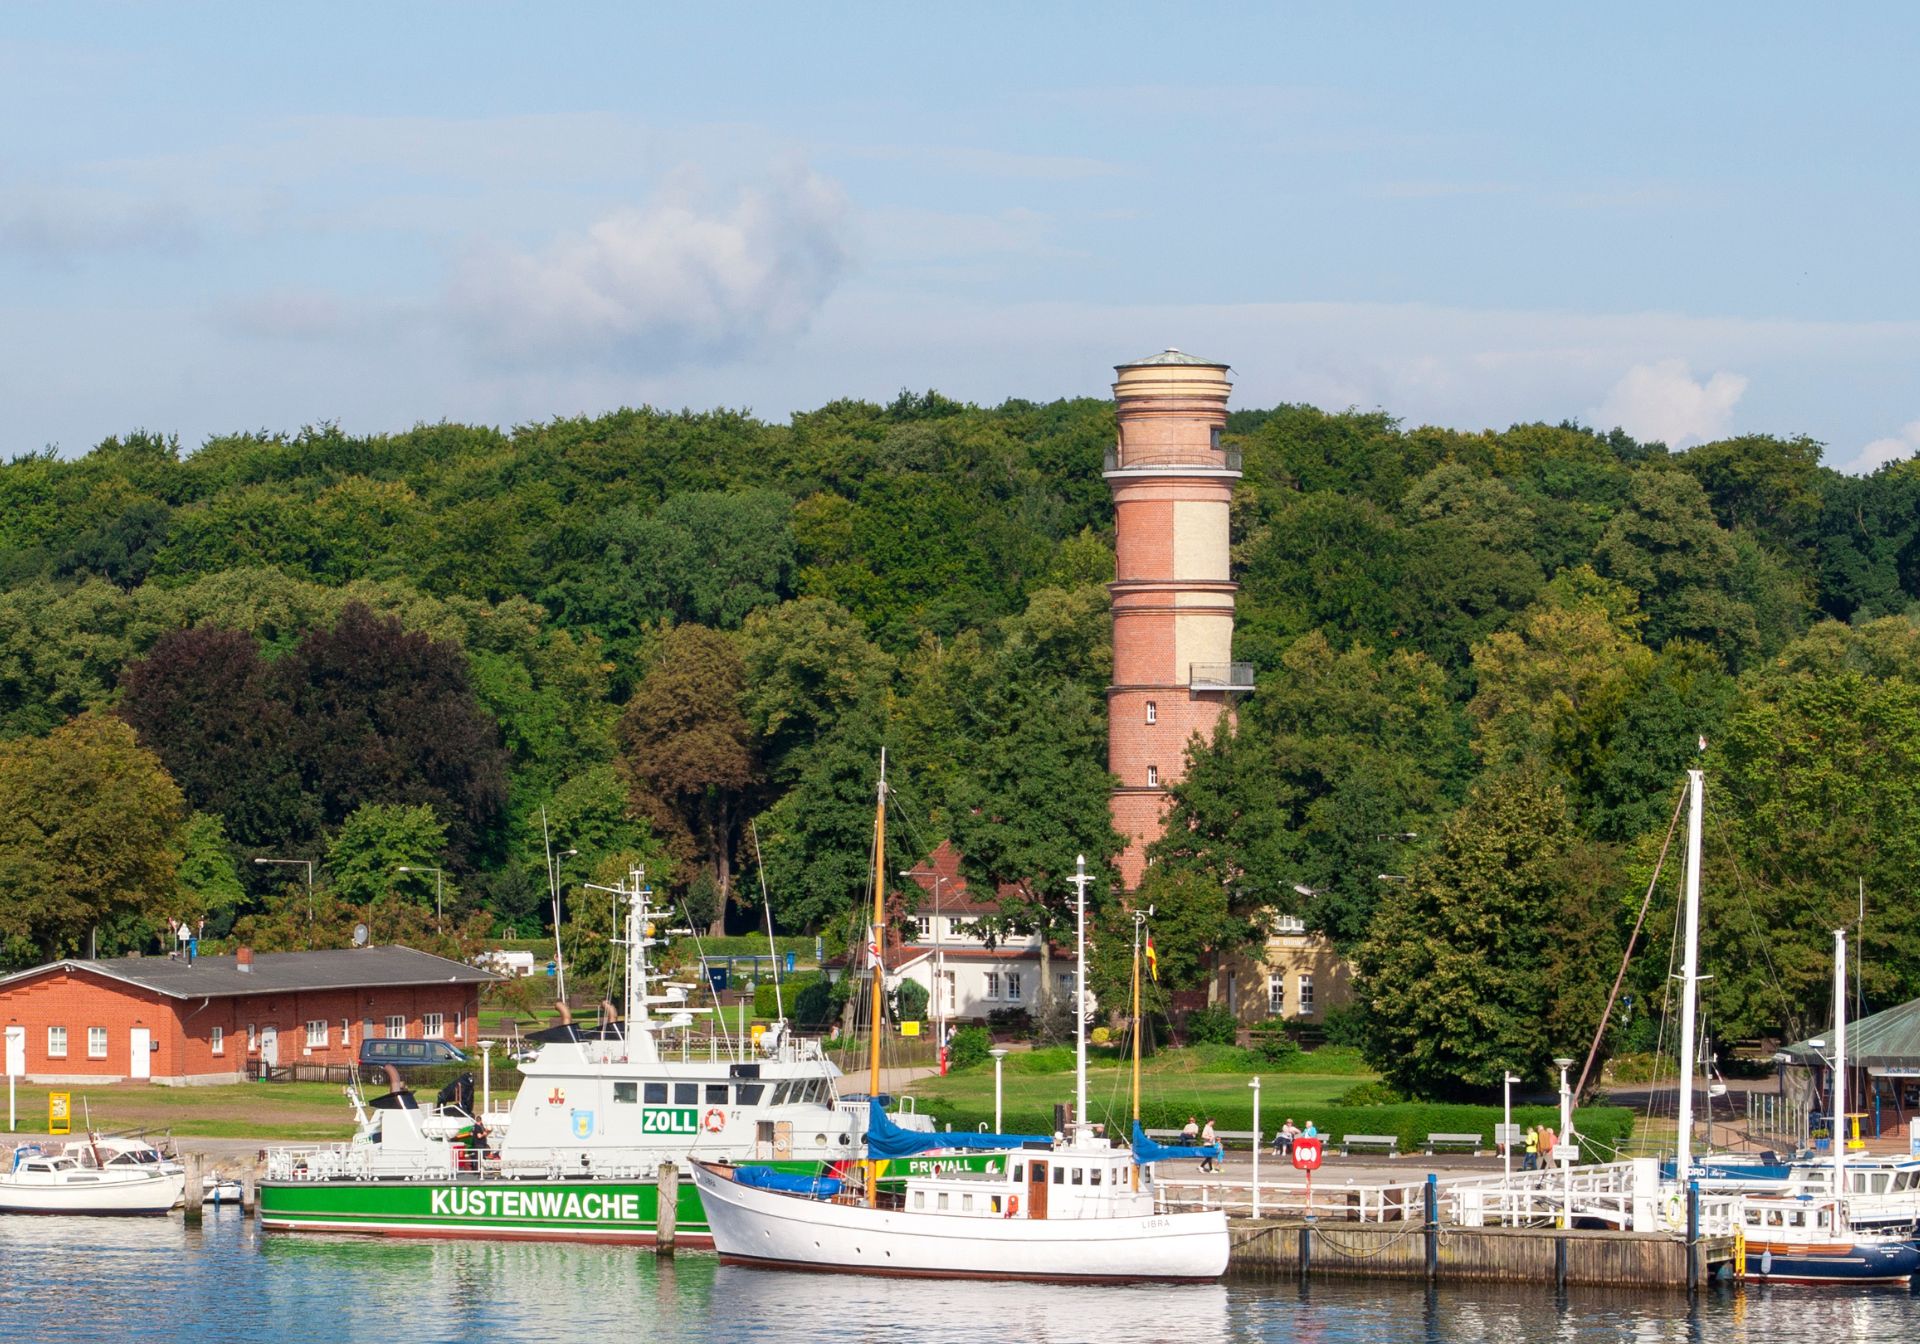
point(1387, 1143)
point(1459, 1143)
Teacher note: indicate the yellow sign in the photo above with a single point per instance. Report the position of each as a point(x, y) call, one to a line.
point(909, 1028)
point(759, 1030)
point(59, 1112)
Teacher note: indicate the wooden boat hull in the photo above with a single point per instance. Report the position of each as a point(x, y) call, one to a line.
point(770, 1228)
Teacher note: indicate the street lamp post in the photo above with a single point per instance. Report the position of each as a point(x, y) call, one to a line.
point(1255, 1085)
point(299, 863)
point(999, 1056)
point(438, 874)
point(1564, 1147)
point(1506, 1124)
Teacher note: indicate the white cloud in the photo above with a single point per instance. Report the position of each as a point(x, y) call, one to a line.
point(1892, 449)
point(1665, 401)
point(675, 280)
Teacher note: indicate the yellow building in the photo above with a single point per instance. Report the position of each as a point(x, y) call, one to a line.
point(1297, 977)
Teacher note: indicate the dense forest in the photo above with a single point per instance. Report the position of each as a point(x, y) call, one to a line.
point(1485, 661)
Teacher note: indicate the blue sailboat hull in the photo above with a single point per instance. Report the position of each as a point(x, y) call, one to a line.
point(1871, 1262)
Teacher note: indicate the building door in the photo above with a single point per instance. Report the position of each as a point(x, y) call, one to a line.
point(270, 1047)
point(946, 1001)
point(1036, 1189)
point(140, 1053)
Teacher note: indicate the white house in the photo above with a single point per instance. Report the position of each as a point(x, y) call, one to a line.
point(950, 957)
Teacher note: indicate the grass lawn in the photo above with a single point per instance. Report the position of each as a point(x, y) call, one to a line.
point(1166, 1081)
point(294, 1112)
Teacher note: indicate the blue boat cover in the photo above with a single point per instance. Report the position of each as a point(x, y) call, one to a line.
point(886, 1139)
point(1145, 1150)
point(766, 1178)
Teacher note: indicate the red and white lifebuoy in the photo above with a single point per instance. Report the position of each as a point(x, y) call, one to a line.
point(714, 1121)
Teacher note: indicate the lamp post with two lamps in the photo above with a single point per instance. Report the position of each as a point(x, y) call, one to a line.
point(298, 863)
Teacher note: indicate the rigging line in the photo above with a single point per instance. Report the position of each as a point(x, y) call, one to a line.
point(1666, 1015)
point(1613, 995)
point(1753, 922)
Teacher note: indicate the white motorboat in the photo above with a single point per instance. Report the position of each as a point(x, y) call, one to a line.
point(1077, 1208)
point(40, 1182)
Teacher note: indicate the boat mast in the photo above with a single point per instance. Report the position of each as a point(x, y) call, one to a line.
point(876, 941)
point(1839, 1125)
point(1139, 920)
point(1080, 880)
point(1689, 979)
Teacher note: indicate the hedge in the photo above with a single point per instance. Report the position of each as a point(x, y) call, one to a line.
point(1604, 1127)
point(764, 1004)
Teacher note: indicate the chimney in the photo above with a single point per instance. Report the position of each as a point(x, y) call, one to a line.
point(243, 960)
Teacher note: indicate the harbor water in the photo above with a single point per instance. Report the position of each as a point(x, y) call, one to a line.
point(128, 1280)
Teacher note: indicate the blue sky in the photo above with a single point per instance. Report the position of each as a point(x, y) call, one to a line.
point(1687, 220)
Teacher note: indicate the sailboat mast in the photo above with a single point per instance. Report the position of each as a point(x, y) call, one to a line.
point(1138, 920)
point(875, 945)
point(1080, 880)
point(1839, 1125)
point(1689, 978)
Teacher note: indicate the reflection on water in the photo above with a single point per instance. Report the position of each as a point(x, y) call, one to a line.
point(119, 1281)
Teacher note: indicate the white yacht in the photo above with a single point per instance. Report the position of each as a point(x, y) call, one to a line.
point(43, 1182)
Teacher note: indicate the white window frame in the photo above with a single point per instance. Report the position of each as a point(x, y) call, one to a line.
point(346, 1033)
point(1153, 711)
point(1013, 986)
point(217, 1040)
point(96, 1042)
point(459, 1026)
point(1153, 776)
point(992, 991)
point(1304, 993)
point(1288, 924)
point(253, 1037)
point(56, 1042)
point(317, 1033)
point(433, 1026)
point(394, 1028)
point(923, 926)
point(1277, 994)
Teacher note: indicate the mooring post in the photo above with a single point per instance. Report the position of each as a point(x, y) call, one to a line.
point(246, 1190)
point(1560, 1261)
point(667, 1209)
point(1433, 1227)
point(196, 1190)
point(1306, 1250)
point(1693, 1235)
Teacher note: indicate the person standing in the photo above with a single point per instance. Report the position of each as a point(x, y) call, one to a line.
point(1531, 1161)
point(1547, 1139)
point(1210, 1140)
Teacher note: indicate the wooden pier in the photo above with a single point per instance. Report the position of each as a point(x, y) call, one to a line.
point(1446, 1254)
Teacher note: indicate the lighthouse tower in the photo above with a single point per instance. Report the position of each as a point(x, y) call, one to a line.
point(1173, 668)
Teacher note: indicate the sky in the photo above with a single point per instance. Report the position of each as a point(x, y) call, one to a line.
point(1689, 221)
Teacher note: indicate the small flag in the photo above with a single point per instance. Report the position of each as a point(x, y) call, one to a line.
point(1153, 961)
point(873, 949)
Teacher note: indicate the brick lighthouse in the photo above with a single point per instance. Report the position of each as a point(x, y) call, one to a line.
point(1173, 668)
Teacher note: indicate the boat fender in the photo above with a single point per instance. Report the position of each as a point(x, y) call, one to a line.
point(1013, 1206)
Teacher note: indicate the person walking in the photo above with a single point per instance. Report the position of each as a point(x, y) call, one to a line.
point(1208, 1139)
point(1547, 1140)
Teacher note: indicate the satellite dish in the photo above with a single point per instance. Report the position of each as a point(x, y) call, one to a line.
point(359, 935)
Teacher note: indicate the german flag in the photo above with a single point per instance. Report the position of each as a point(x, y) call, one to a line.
point(1153, 961)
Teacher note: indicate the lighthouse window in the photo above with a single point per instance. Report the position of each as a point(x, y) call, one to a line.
point(1213, 438)
point(686, 1094)
point(1153, 712)
point(716, 1094)
point(1153, 776)
point(748, 1094)
point(656, 1094)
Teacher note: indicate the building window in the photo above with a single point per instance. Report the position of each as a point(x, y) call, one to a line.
point(993, 985)
point(923, 927)
point(432, 1026)
point(96, 1042)
point(1285, 924)
point(317, 1034)
point(346, 1031)
point(396, 1028)
point(56, 1042)
point(1276, 996)
point(1213, 438)
point(459, 1026)
point(1306, 996)
point(253, 1038)
point(1153, 776)
point(1013, 986)
point(217, 1038)
point(1153, 712)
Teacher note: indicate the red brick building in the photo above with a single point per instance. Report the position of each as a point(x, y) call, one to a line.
point(216, 1019)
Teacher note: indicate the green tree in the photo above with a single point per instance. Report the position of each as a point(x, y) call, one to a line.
point(207, 885)
point(89, 835)
point(376, 841)
point(1666, 547)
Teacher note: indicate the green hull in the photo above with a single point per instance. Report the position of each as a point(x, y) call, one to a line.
point(584, 1209)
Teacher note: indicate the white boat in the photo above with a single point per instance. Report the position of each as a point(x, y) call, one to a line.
point(39, 1182)
point(1075, 1209)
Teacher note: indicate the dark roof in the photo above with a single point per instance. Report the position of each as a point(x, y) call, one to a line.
point(276, 972)
point(1886, 1039)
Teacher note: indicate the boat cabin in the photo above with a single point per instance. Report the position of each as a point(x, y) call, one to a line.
point(1069, 1180)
